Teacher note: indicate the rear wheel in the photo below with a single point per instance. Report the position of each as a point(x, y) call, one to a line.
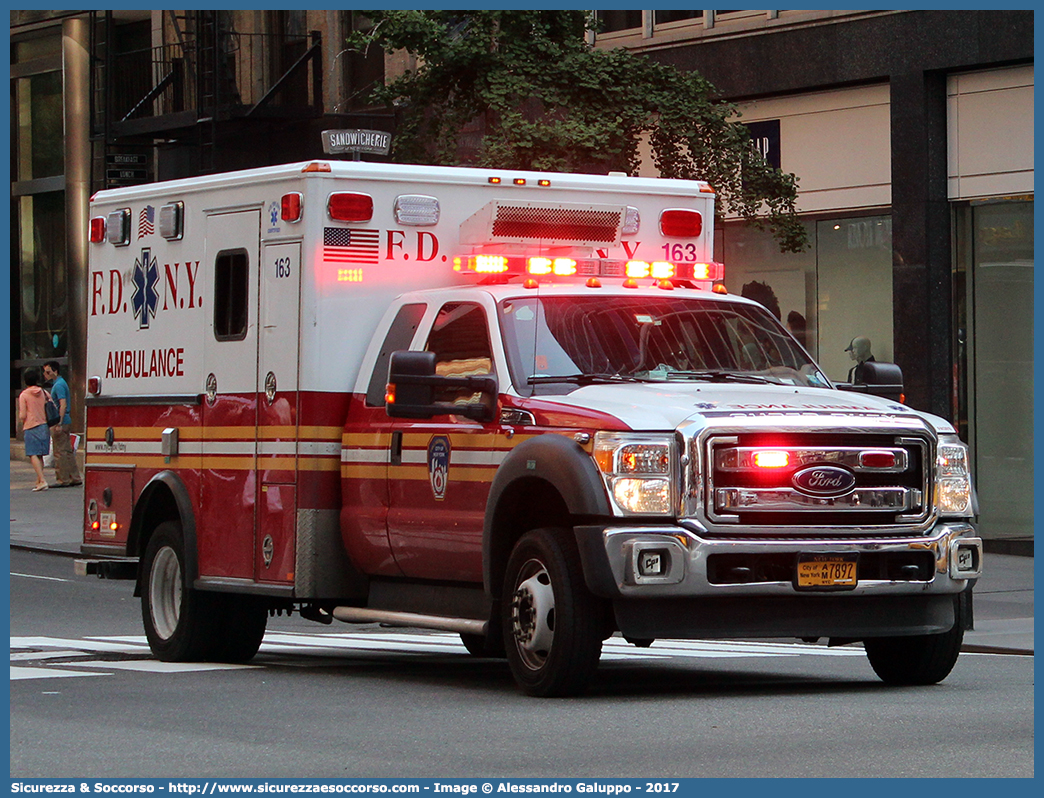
point(552, 624)
point(241, 621)
point(916, 660)
point(177, 618)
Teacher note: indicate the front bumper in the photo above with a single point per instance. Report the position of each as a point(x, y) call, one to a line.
point(668, 581)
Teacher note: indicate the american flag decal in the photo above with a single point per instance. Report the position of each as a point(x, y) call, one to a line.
point(346, 245)
point(145, 221)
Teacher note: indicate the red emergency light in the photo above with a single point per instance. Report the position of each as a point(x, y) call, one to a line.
point(771, 458)
point(346, 206)
point(543, 266)
point(290, 207)
point(681, 223)
point(97, 229)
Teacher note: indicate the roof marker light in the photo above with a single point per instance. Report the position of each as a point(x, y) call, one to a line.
point(316, 166)
point(544, 182)
point(494, 180)
point(719, 288)
point(593, 282)
point(519, 181)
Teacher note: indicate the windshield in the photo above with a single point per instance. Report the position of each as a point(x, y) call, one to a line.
point(555, 344)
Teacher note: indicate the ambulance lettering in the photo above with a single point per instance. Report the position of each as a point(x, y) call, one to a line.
point(426, 246)
point(139, 363)
point(179, 289)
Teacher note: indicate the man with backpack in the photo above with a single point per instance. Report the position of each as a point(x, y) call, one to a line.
point(65, 469)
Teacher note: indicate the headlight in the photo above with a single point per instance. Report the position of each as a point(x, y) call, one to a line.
point(953, 485)
point(637, 469)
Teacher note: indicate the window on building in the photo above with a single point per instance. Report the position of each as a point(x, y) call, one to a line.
point(231, 294)
point(664, 17)
point(612, 21)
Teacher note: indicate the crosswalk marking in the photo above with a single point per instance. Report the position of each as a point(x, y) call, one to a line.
point(297, 649)
point(23, 672)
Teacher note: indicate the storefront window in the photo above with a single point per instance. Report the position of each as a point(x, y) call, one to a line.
point(40, 147)
point(43, 298)
point(994, 356)
point(854, 259)
point(784, 282)
point(838, 289)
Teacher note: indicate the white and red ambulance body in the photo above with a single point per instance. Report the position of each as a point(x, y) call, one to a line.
point(502, 403)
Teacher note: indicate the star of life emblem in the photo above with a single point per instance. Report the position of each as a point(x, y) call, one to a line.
point(145, 298)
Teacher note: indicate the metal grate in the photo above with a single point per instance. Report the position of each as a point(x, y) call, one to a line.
point(746, 496)
point(556, 224)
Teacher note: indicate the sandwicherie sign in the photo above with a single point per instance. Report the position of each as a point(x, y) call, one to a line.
point(374, 142)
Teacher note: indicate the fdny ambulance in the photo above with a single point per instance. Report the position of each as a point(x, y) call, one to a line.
point(517, 406)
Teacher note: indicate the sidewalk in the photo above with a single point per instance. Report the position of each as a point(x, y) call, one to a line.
point(51, 521)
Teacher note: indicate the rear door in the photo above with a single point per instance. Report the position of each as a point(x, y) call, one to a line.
point(226, 521)
point(278, 315)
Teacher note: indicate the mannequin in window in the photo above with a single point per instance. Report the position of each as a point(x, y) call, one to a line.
point(859, 351)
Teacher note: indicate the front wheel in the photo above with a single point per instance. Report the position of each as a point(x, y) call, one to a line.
point(915, 660)
point(552, 624)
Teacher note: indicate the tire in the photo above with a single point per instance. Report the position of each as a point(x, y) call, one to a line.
point(552, 625)
point(916, 660)
point(241, 623)
point(482, 645)
point(178, 620)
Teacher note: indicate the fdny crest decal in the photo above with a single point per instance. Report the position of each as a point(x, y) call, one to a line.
point(438, 465)
point(145, 280)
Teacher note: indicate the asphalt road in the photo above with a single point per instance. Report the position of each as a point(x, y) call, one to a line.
point(345, 701)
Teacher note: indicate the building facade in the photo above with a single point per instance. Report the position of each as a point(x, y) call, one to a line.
point(911, 133)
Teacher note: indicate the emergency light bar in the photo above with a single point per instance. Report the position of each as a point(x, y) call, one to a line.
point(541, 266)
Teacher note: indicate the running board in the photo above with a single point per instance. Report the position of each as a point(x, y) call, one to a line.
point(394, 618)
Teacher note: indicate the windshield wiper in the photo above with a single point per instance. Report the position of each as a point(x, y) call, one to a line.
point(718, 375)
point(585, 379)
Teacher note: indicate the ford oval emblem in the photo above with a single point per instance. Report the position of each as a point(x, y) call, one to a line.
point(824, 480)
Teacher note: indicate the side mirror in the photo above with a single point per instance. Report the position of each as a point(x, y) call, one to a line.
point(413, 383)
point(879, 379)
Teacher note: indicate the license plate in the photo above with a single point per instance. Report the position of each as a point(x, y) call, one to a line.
point(836, 571)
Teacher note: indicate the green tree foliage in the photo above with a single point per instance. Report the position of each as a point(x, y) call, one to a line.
point(524, 89)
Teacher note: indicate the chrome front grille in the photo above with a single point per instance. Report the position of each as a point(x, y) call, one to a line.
point(808, 480)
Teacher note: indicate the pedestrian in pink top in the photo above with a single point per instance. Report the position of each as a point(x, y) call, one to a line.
point(33, 417)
